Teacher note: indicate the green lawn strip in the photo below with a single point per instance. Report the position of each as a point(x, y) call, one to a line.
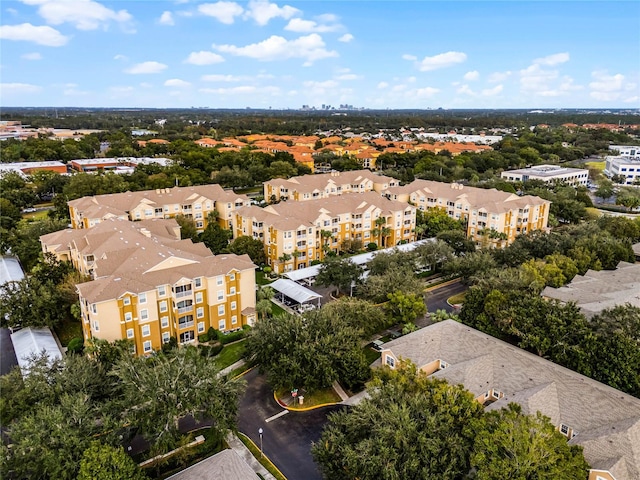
point(458, 298)
point(277, 310)
point(596, 165)
point(261, 278)
point(319, 397)
point(230, 354)
point(371, 355)
point(240, 370)
point(264, 461)
point(68, 330)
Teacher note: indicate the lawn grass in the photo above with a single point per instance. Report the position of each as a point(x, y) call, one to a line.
point(39, 215)
point(458, 298)
point(68, 330)
point(319, 397)
point(277, 310)
point(371, 355)
point(261, 278)
point(240, 370)
point(229, 355)
point(597, 165)
point(264, 461)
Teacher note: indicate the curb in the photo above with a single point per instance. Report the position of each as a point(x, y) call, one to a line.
point(244, 373)
point(444, 284)
point(263, 455)
point(304, 409)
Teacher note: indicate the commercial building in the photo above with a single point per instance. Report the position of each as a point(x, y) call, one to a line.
point(601, 419)
point(549, 174)
point(148, 285)
point(313, 187)
point(491, 216)
point(295, 233)
point(629, 151)
point(192, 202)
point(27, 168)
point(92, 165)
point(627, 168)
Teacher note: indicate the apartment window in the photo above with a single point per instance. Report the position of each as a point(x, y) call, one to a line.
point(233, 305)
point(162, 291)
point(94, 308)
point(142, 298)
point(200, 327)
point(127, 317)
point(220, 309)
point(219, 281)
point(234, 320)
point(126, 301)
point(144, 314)
point(96, 325)
point(199, 312)
point(198, 282)
point(147, 346)
point(199, 297)
point(129, 332)
point(232, 277)
point(232, 291)
point(163, 306)
point(164, 322)
point(146, 330)
point(564, 429)
point(220, 294)
point(389, 360)
point(165, 337)
point(221, 325)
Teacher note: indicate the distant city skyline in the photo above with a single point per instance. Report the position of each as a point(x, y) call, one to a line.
point(374, 54)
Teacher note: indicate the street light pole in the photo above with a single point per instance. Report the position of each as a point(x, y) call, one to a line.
point(260, 433)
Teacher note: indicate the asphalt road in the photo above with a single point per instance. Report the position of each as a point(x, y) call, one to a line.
point(7, 354)
point(437, 299)
point(286, 440)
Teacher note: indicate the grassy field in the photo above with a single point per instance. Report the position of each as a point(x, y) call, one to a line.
point(230, 354)
point(40, 215)
point(261, 279)
point(455, 299)
point(597, 165)
point(319, 397)
point(277, 310)
point(264, 461)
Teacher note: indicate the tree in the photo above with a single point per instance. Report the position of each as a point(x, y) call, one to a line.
point(339, 272)
point(436, 220)
point(264, 307)
point(471, 264)
point(104, 462)
point(405, 308)
point(357, 313)
point(169, 386)
point(250, 246)
point(187, 228)
point(396, 278)
point(216, 238)
point(457, 240)
point(513, 445)
point(628, 197)
point(433, 254)
point(383, 261)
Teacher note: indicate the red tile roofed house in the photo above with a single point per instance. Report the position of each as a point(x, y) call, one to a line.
point(367, 158)
point(207, 142)
point(305, 141)
point(332, 139)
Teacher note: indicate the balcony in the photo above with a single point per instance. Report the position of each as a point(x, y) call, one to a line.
point(184, 293)
point(188, 309)
point(184, 325)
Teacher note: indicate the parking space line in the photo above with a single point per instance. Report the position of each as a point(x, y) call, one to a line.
point(276, 416)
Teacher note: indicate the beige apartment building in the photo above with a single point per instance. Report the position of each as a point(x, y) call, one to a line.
point(296, 233)
point(491, 216)
point(325, 185)
point(193, 202)
point(147, 285)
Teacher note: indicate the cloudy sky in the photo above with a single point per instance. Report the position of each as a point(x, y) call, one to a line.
point(374, 54)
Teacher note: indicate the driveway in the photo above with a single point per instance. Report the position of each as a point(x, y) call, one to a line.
point(286, 439)
point(437, 299)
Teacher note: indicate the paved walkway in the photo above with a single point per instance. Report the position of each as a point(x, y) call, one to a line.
point(238, 447)
point(232, 367)
point(341, 393)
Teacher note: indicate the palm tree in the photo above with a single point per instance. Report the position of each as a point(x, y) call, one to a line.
point(386, 231)
point(295, 254)
point(264, 307)
point(283, 259)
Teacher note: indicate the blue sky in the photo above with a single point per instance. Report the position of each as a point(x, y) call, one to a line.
point(373, 54)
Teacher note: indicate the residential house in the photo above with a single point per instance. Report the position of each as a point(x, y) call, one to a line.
point(491, 216)
point(601, 419)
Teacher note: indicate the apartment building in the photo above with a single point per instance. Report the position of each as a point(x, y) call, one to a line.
point(549, 174)
point(492, 217)
point(604, 421)
point(296, 233)
point(147, 285)
point(313, 187)
point(192, 202)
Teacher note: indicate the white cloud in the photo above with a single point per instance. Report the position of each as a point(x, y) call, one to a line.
point(466, 90)
point(534, 79)
point(347, 76)
point(12, 11)
point(83, 14)
point(327, 18)
point(177, 83)
point(120, 91)
point(442, 60)
point(146, 67)
point(606, 87)
point(42, 35)
point(490, 92)
point(309, 48)
point(497, 77)
point(120, 57)
point(18, 88)
point(551, 60)
point(262, 11)
point(411, 79)
point(426, 92)
point(223, 78)
point(346, 38)
point(166, 19)
point(72, 91)
point(324, 84)
point(411, 58)
point(146, 85)
point(308, 26)
point(32, 56)
point(471, 76)
point(204, 58)
point(224, 12)
point(383, 85)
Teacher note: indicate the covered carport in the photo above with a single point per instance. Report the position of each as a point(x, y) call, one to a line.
point(293, 294)
point(31, 342)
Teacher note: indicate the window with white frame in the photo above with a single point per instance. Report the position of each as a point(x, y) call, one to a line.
point(221, 325)
point(198, 282)
point(219, 280)
point(232, 277)
point(564, 429)
point(220, 294)
point(389, 360)
point(126, 301)
point(147, 346)
point(165, 337)
point(163, 306)
point(146, 330)
point(232, 291)
point(199, 297)
point(220, 309)
point(142, 298)
point(162, 291)
point(144, 314)
point(127, 317)
point(164, 322)
point(233, 305)
point(129, 332)
point(199, 312)
point(200, 327)
point(94, 308)
point(96, 325)
point(234, 320)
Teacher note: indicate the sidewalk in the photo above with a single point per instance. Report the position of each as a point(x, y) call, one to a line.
point(237, 446)
point(232, 367)
point(341, 393)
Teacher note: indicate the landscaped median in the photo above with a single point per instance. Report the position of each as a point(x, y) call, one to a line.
point(261, 457)
point(318, 399)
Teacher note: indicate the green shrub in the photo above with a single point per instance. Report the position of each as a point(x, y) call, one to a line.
point(204, 338)
point(232, 337)
point(208, 351)
point(170, 345)
point(76, 345)
point(213, 334)
point(372, 247)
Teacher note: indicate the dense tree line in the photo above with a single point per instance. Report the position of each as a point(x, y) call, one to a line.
point(412, 426)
